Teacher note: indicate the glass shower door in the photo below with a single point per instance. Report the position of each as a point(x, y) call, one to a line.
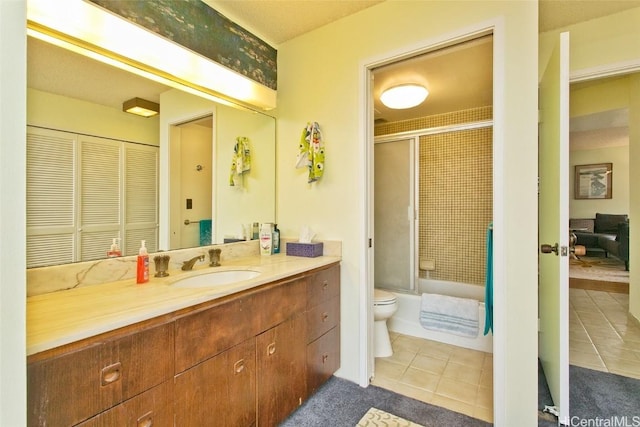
point(394, 214)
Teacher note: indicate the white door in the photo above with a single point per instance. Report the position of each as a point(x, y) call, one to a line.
point(553, 222)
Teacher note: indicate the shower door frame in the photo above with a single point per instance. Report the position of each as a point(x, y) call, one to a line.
point(412, 209)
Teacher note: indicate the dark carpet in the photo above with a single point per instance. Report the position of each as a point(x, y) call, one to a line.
point(341, 403)
point(595, 395)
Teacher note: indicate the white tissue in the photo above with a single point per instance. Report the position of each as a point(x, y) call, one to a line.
point(306, 234)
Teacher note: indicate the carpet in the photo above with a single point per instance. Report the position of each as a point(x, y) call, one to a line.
point(342, 403)
point(609, 269)
point(378, 418)
point(612, 399)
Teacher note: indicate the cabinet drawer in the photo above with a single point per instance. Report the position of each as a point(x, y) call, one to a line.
point(323, 317)
point(151, 408)
point(202, 335)
point(277, 304)
point(72, 387)
point(220, 391)
point(323, 359)
point(323, 285)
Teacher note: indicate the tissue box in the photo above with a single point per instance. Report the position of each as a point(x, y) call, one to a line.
point(309, 250)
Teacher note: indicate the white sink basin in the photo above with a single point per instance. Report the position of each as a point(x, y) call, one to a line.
point(216, 278)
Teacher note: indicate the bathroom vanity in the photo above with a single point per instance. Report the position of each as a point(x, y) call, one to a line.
point(243, 354)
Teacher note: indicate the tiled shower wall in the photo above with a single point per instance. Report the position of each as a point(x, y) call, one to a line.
point(455, 194)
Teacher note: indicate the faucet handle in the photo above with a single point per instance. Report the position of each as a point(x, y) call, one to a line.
point(214, 257)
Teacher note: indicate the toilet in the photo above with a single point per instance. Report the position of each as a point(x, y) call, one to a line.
point(384, 306)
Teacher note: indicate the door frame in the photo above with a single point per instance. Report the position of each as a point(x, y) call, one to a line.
point(495, 27)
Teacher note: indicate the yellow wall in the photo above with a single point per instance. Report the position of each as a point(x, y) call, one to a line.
point(610, 94)
point(320, 75)
point(634, 196)
point(72, 115)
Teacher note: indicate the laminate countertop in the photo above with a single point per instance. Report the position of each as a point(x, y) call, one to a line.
point(63, 317)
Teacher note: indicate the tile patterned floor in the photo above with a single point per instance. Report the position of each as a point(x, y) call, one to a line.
point(601, 337)
point(441, 374)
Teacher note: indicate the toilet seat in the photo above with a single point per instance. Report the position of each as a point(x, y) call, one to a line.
point(381, 297)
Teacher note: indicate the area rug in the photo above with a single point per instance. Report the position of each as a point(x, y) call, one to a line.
point(342, 403)
point(609, 269)
point(595, 399)
point(378, 418)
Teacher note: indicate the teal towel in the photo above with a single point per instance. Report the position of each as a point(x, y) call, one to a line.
point(488, 289)
point(205, 232)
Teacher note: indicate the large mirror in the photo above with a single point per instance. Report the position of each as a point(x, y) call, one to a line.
point(195, 139)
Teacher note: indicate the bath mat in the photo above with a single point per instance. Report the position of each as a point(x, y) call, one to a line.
point(378, 418)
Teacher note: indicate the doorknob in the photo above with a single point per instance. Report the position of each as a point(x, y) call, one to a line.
point(547, 249)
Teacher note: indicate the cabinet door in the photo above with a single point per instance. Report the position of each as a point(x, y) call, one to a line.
point(67, 389)
point(220, 391)
point(323, 359)
point(153, 408)
point(281, 370)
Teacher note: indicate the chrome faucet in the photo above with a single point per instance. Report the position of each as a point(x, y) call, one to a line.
point(188, 265)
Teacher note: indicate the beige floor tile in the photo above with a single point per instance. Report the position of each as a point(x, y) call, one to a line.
point(607, 353)
point(486, 378)
point(592, 318)
point(400, 356)
point(465, 356)
point(404, 342)
point(463, 373)
point(579, 335)
point(420, 379)
point(390, 370)
point(384, 382)
point(582, 346)
point(484, 414)
point(631, 366)
point(457, 390)
point(453, 405)
point(413, 392)
point(436, 349)
point(484, 398)
point(429, 364)
point(584, 359)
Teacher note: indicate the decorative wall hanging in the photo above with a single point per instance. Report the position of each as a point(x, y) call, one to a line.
point(196, 26)
point(594, 181)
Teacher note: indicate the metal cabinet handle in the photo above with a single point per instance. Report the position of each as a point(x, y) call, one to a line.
point(238, 366)
point(271, 348)
point(110, 374)
point(146, 420)
point(325, 357)
point(325, 317)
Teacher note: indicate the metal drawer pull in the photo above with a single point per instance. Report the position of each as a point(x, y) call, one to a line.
point(238, 366)
point(271, 348)
point(110, 374)
point(146, 420)
point(325, 285)
point(325, 316)
point(325, 357)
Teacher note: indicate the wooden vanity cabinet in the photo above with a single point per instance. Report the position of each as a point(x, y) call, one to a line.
point(243, 360)
point(68, 388)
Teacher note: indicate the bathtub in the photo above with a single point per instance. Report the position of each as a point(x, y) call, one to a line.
point(406, 320)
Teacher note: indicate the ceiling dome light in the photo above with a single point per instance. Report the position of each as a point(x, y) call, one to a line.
point(404, 96)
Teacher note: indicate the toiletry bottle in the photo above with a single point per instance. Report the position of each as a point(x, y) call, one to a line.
point(256, 232)
point(114, 251)
point(265, 239)
point(142, 275)
point(276, 239)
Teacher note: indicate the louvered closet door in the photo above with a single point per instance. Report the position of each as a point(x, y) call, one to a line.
point(141, 200)
point(100, 189)
point(51, 160)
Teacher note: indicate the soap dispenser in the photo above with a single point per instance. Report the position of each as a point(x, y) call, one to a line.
point(114, 250)
point(142, 275)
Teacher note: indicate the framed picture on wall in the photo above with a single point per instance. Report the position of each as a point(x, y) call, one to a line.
point(593, 181)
